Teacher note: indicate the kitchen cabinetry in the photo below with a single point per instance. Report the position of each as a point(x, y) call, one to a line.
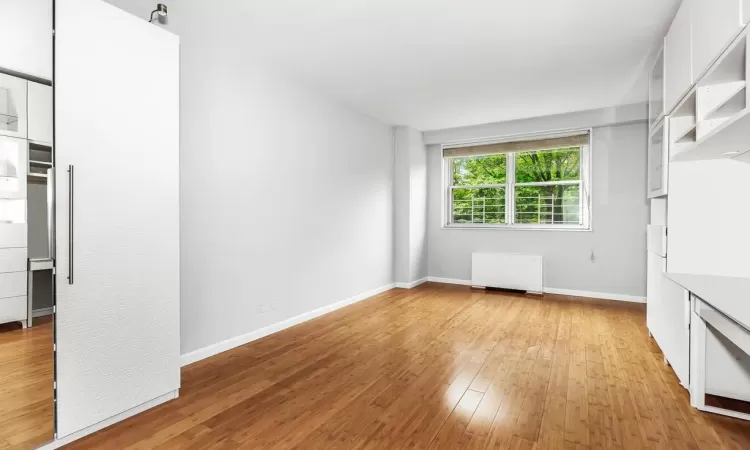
point(40, 113)
point(714, 24)
point(658, 159)
point(678, 71)
point(26, 36)
point(12, 106)
point(656, 90)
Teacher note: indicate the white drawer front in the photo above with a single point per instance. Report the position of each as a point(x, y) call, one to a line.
point(12, 235)
point(13, 309)
point(657, 239)
point(13, 260)
point(12, 284)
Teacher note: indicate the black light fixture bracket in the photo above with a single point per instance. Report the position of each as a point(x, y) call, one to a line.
point(160, 11)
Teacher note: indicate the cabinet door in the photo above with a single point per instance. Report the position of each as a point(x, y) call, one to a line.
point(658, 160)
point(656, 266)
point(656, 90)
point(673, 329)
point(715, 23)
point(118, 286)
point(12, 106)
point(678, 57)
point(26, 37)
point(40, 113)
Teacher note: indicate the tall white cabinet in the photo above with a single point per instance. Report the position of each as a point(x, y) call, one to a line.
point(117, 150)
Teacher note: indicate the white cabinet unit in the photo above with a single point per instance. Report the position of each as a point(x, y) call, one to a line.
point(117, 90)
point(658, 159)
point(715, 23)
point(26, 37)
point(40, 113)
point(713, 120)
point(12, 106)
point(656, 90)
point(672, 330)
point(656, 266)
point(678, 72)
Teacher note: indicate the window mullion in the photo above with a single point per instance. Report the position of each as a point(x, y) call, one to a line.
point(510, 179)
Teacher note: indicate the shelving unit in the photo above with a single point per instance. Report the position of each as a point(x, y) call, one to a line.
point(7, 119)
point(713, 121)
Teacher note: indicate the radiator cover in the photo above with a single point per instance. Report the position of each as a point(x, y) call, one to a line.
point(507, 271)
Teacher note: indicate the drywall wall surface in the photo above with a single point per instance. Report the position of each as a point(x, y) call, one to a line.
point(618, 115)
point(410, 205)
point(609, 259)
point(286, 194)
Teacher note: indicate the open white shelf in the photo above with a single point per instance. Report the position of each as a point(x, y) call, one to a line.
point(713, 121)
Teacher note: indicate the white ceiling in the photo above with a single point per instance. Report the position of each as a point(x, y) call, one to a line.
point(434, 64)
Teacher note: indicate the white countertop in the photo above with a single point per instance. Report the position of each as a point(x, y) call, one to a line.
point(729, 295)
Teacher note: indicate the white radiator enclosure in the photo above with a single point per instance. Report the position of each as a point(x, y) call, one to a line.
point(507, 271)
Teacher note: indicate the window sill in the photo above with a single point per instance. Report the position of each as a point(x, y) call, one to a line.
point(517, 227)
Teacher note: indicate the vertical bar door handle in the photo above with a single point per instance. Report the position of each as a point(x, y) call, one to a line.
point(70, 224)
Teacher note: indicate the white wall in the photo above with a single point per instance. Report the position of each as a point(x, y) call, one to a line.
point(26, 37)
point(410, 206)
point(286, 195)
point(619, 216)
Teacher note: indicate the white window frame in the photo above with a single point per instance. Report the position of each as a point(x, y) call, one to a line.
point(510, 188)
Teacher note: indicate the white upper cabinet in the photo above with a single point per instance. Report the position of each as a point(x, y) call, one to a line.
point(13, 106)
point(656, 90)
point(715, 24)
point(26, 36)
point(40, 113)
point(658, 160)
point(678, 57)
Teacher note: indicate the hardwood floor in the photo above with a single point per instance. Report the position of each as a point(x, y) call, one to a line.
point(26, 385)
point(438, 367)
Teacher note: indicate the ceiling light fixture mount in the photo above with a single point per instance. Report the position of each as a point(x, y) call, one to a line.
point(160, 12)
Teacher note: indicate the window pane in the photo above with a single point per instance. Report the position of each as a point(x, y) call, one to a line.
point(548, 165)
point(548, 204)
point(476, 170)
point(485, 205)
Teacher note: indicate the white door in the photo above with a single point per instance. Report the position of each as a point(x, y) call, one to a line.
point(116, 125)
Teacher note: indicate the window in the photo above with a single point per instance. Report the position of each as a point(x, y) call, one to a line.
point(533, 183)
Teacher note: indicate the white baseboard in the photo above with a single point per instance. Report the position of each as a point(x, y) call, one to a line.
point(574, 293)
point(219, 347)
point(41, 312)
point(411, 285)
point(111, 421)
point(601, 295)
point(449, 281)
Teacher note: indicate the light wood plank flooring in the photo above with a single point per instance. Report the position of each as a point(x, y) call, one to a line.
point(26, 385)
point(438, 367)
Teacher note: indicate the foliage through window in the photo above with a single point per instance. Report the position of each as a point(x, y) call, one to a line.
point(492, 185)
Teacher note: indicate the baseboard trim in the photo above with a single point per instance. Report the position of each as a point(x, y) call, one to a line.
point(600, 295)
point(111, 421)
point(41, 312)
point(411, 285)
point(220, 347)
point(449, 281)
point(570, 292)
